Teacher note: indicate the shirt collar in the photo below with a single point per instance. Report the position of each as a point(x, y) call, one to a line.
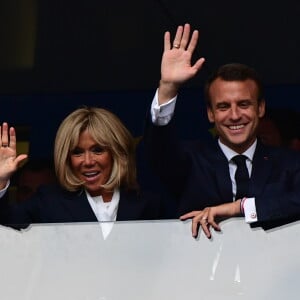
point(105, 211)
point(229, 153)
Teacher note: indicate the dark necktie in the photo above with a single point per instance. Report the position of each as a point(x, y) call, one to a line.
point(241, 176)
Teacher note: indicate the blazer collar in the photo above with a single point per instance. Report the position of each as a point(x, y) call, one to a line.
point(261, 168)
point(129, 206)
point(221, 169)
point(77, 204)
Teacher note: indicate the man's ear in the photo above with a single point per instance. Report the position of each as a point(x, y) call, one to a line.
point(210, 115)
point(261, 108)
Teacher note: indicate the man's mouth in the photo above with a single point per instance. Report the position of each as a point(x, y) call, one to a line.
point(236, 127)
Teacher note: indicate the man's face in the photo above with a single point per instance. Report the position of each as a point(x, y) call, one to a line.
point(235, 112)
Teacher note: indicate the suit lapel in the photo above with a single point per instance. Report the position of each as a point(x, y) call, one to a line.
point(77, 205)
point(129, 208)
point(261, 169)
point(221, 169)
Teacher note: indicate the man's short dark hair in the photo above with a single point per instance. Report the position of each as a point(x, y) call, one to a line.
point(234, 72)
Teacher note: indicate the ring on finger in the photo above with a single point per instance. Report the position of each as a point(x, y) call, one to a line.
point(204, 219)
point(4, 145)
point(176, 46)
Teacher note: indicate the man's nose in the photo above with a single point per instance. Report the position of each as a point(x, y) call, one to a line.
point(235, 113)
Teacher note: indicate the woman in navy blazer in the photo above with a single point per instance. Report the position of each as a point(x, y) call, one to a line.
point(94, 159)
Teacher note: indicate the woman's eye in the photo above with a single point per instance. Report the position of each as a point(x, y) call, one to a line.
point(76, 152)
point(98, 150)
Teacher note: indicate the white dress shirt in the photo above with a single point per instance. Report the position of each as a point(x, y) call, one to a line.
point(3, 191)
point(105, 211)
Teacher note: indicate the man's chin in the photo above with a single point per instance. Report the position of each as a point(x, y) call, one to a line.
point(235, 143)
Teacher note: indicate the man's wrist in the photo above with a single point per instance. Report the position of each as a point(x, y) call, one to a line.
point(4, 188)
point(3, 184)
point(166, 91)
point(248, 208)
point(242, 205)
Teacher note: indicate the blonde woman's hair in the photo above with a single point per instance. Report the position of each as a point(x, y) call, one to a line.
point(109, 132)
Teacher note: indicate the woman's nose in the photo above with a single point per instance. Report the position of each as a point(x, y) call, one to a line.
point(88, 158)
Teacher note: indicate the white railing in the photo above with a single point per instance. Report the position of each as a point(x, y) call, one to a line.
point(149, 260)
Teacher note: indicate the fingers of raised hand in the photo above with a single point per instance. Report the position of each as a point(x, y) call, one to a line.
point(178, 37)
point(12, 138)
point(183, 40)
point(185, 36)
point(4, 139)
point(8, 137)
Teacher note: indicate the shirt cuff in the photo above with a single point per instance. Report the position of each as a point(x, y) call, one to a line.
point(3, 191)
point(162, 114)
point(250, 210)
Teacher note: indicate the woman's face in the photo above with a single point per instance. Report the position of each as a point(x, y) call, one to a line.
point(91, 163)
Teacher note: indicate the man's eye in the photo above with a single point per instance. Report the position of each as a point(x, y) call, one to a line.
point(244, 104)
point(222, 107)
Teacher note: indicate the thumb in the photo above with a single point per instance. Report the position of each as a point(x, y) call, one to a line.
point(20, 158)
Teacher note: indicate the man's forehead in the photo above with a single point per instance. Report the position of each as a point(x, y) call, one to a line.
point(232, 88)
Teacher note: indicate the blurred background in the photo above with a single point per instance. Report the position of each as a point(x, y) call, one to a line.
point(58, 55)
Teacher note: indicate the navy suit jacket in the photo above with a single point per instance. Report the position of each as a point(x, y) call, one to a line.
point(197, 174)
point(52, 204)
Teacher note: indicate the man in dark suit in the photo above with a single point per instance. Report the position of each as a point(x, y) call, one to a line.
point(202, 176)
